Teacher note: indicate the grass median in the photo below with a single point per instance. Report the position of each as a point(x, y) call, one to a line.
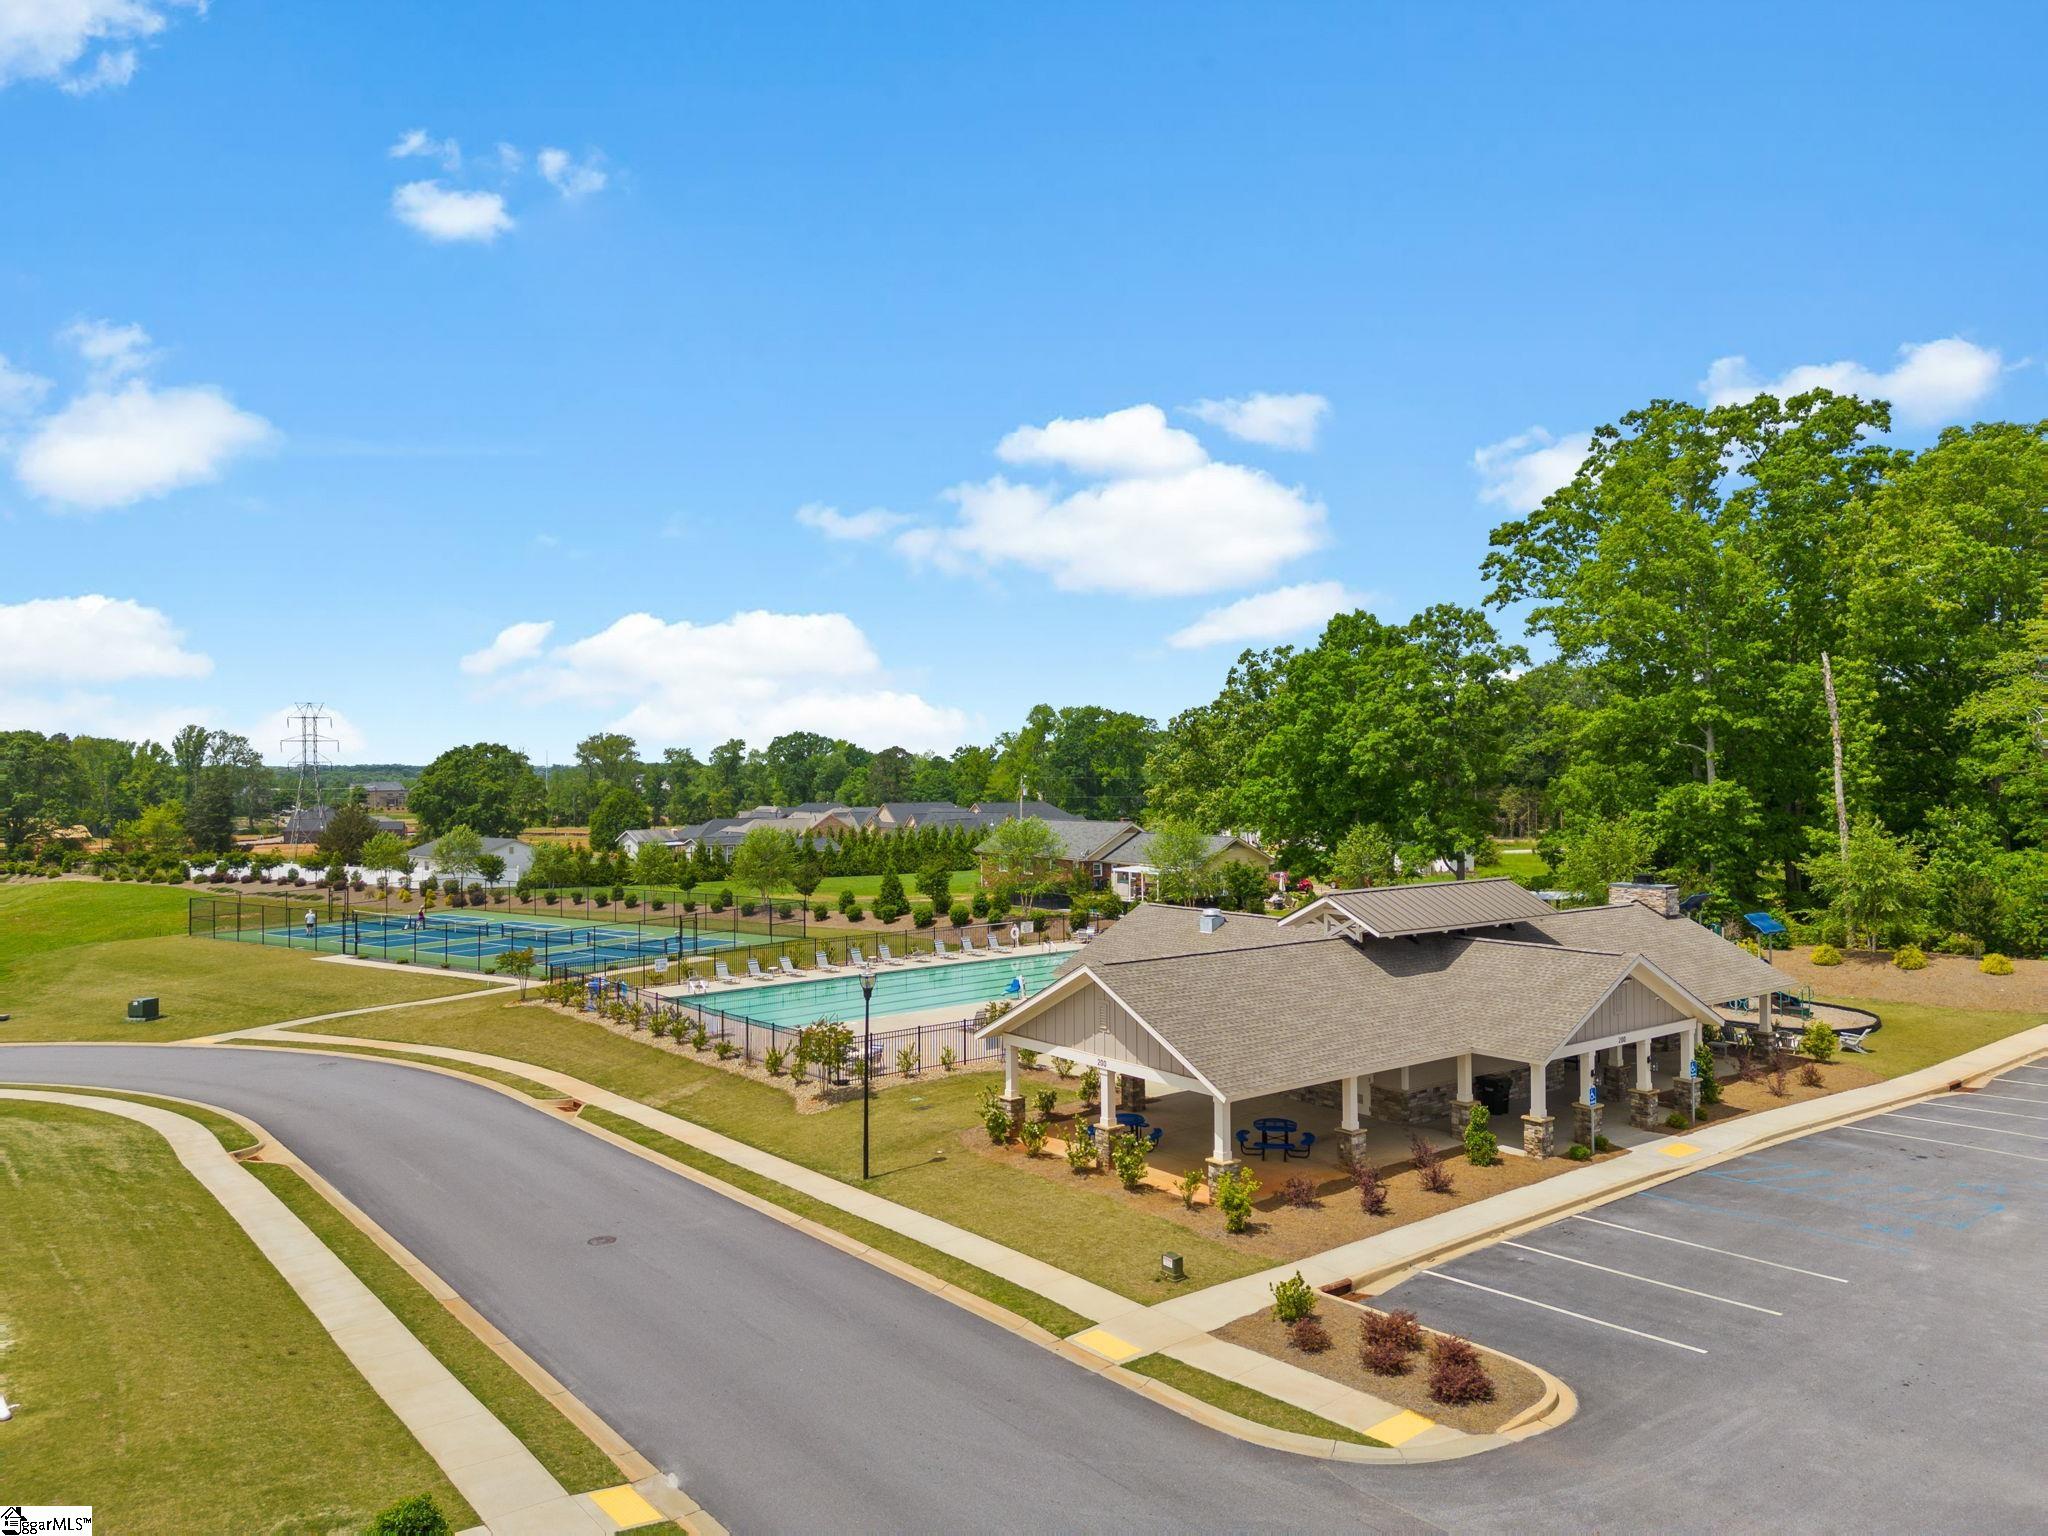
point(1244, 1402)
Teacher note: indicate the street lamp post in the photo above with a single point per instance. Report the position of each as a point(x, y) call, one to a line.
point(867, 1061)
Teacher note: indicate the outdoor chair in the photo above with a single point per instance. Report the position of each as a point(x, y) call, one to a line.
point(1244, 1145)
point(1303, 1144)
point(1154, 1136)
point(884, 955)
point(1852, 1040)
point(723, 972)
point(997, 944)
point(854, 957)
point(938, 949)
point(784, 964)
point(754, 969)
point(823, 961)
point(966, 943)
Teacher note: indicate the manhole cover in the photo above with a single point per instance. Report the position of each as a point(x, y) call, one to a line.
point(599, 1242)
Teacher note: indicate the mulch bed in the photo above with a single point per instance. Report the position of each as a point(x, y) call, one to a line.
point(1950, 981)
point(1516, 1388)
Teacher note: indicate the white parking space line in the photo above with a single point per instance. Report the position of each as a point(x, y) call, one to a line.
point(1979, 1109)
point(1967, 1146)
point(1565, 1258)
point(1969, 1125)
point(1727, 1253)
point(2025, 1098)
point(1561, 1311)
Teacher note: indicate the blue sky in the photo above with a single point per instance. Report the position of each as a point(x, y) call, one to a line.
point(844, 366)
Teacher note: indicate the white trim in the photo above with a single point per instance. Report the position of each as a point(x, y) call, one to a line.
point(1171, 1081)
point(1008, 1022)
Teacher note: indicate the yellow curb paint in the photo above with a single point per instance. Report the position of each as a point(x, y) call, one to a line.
point(1107, 1345)
point(1401, 1428)
point(1679, 1149)
point(625, 1506)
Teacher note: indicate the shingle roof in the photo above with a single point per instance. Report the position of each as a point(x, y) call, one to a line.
point(1695, 957)
point(1139, 849)
point(1442, 906)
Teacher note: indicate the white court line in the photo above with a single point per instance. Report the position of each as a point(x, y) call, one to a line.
point(1706, 1248)
point(1645, 1279)
point(2025, 1157)
point(1979, 1109)
point(1970, 1125)
point(1562, 1311)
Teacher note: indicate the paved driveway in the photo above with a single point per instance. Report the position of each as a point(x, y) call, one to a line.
point(789, 1385)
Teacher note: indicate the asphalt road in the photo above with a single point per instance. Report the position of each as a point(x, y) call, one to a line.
point(791, 1386)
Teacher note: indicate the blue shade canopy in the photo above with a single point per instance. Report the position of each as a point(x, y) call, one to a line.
point(1763, 923)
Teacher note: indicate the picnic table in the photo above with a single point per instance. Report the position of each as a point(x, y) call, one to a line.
point(1130, 1119)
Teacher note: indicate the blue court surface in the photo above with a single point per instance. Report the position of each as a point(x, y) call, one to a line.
point(452, 938)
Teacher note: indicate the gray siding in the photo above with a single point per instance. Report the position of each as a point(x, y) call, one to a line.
point(1088, 1021)
point(1632, 1006)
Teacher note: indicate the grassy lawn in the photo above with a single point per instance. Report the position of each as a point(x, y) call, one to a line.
point(228, 1133)
point(167, 1375)
point(1244, 1402)
point(920, 1159)
point(1917, 1035)
point(965, 883)
point(73, 953)
point(562, 1448)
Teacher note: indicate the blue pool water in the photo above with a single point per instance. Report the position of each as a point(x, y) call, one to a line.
point(912, 988)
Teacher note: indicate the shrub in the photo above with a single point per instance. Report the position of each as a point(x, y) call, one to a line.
point(853, 914)
point(1710, 1085)
point(820, 910)
point(921, 916)
point(699, 1038)
point(1190, 1185)
point(1995, 964)
point(1578, 1153)
point(1293, 1299)
point(980, 904)
point(1080, 1150)
point(1826, 954)
point(658, 1027)
point(1127, 1156)
point(1676, 1120)
point(1064, 1067)
point(996, 1123)
point(1429, 1164)
point(1032, 1134)
point(773, 1059)
point(847, 900)
point(1091, 1086)
point(1810, 1075)
point(416, 1516)
point(1909, 957)
point(749, 908)
point(725, 1050)
point(1027, 1059)
point(906, 1061)
point(1482, 1148)
point(947, 1058)
point(1235, 1191)
point(1299, 1192)
point(1044, 1100)
point(1779, 1086)
point(1398, 1327)
point(961, 914)
point(1601, 1143)
point(1309, 1336)
point(1381, 1357)
point(656, 904)
point(1372, 1190)
point(1819, 1042)
point(1457, 1374)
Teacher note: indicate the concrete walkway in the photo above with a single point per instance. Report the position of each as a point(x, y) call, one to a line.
point(491, 1467)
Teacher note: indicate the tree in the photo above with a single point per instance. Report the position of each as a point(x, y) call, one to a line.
point(1179, 850)
point(1364, 856)
point(611, 760)
point(935, 884)
point(210, 816)
point(1593, 853)
point(1022, 852)
point(2007, 717)
point(458, 853)
point(620, 811)
point(765, 860)
point(38, 787)
point(487, 787)
point(491, 867)
point(385, 851)
point(889, 773)
point(1244, 884)
point(188, 752)
point(1711, 837)
point(1877, 890)
point(158, 832)
point(654, 863)
point(347, 830)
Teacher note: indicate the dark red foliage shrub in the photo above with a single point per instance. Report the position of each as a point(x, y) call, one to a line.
point(1309, 1336)
point(1810, 1075)
point(1382, 1357)
point(1299, 1192)
point(1422, 1153)
point(1457, 1374)
point(1438, 1179)
point(1398, 1328)
point(1372, 1190)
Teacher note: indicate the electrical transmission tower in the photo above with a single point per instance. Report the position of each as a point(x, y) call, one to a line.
point(303, 749)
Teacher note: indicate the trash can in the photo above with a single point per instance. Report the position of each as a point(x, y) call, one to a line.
point(141, 1010)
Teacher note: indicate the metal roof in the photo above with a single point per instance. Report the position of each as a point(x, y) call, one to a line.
point(1440, 906)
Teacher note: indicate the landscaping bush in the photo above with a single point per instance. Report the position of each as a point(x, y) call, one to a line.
point(1676, 1120)
point(1819, 1042)
point(1235, 1191)
point(1309, 1336)
point(1062, 1066)
point(1190, 1185)
point(820, 911)
point(720, 899)
point(1399, 1327)
point(1044, 1100)
point(980, 904)
point(725, 1050)
point(1300, 1192)
point(1293, 1299)
point(1826, 954)
point(847, 901)
point(1909, 957)
point(853, 914)
point(1995, 965)
point(416, 1516)
point(1027, 1059)
point(996, 1123)
point(1091, 1086)
point(1429, 1165)
point(921, 916)
point(773, 1059)
point(1127, 1151)
point(1779, 1085)
point(1381, 1357)
point(948, 1058)
point(961, 914)
point(1372, 1190)
point(1578, 1153)
point(1710, 1086)
point(749, 908)
point(1482, 1148)
point(1810, 1075)
point(906, 1061)
point(1080, 1150)
point(1457, 1374)
point(1032, 1133)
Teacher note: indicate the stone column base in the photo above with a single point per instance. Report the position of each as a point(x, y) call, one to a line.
point(1130, 1093)
point(1352, 1148)
point(1586, 1122)
point(1390, 1103)
point(1461, 1114)
point(1539, 1135)
point(1685, 1097)
point(1643, 1109)
point(1103, 1137)
point(1014, 1108)
point(1215, 1168)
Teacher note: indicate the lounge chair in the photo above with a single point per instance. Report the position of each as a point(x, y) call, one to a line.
point(854, 957)
point(754, 971)
point(938, 949)
point(1852, 1039)
point(967, 944)
point(784, 964)
point(883, 955)
point(997, 944)
point(723, 973)
point(823, 961)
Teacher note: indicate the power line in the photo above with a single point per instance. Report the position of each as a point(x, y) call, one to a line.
point(304, 747)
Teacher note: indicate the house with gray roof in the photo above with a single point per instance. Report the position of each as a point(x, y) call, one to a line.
point(1117, 853)
point(1405, 1004)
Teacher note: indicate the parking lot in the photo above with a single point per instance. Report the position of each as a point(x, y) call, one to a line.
point(1849, 1330)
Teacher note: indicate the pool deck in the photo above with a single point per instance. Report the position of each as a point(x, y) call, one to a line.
point(726, 994)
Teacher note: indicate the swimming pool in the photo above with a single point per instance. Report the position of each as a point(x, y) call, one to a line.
point(963, 985)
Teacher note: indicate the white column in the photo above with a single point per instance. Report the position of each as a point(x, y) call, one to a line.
point(1225, 1149)
point(1686, 1046)
point(1586, 1076)
point(1009, 1070)
point(1404, 1079)
point(1643, 1064)
point(1108, 1115)
point(1465, 1077)
point(1350, 1120)
point(1537, 1107)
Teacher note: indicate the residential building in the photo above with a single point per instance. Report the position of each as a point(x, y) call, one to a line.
point(517, 854)
point(384, 795)
point(307, 825)
point(1114, 854)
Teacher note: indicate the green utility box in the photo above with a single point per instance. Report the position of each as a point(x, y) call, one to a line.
point(141, 1010)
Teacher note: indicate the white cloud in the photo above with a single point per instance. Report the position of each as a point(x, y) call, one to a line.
point(417, 143)
point(568, 177)
point(447, 214)
point(1273, 615)
point(92, 639)
point(1519, 472)
point(1277, 421)
point(20, 391)
point(79, 45)
point(514, 643)
point(111, 352)
point(850, 526)
point(88, 712)
point(1932, 383)
point(108, 448)
point(1133, 441)
point(754, 675)
point(511, 159)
